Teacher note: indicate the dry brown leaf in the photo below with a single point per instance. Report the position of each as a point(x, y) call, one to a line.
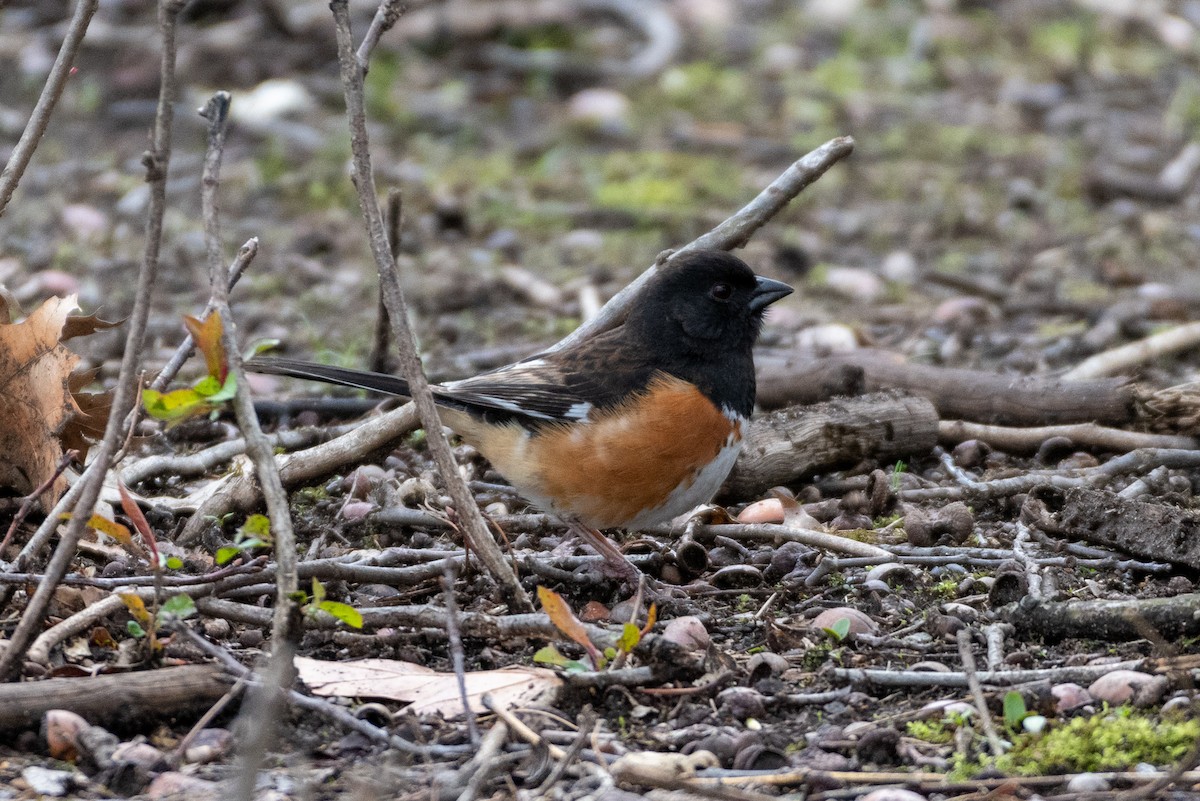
point(87, 424)
point(35, 398)
point(428, 691)
point(80, 326)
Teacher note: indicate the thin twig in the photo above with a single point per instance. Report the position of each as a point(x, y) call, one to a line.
point(519, 728)
point(1143, 460)
point(474, 774)
point(257, 447)
point(386, 15)
point(260, 715)
point(1125, 357)
point(383, 329)
point(338, 714)
point(782, 533)
point(474, 527)
point(457, 655)
point(156, 161)
point(1083, 674)
point(1086, 435)
point(187, 347)
point(51, 91)
point(963, 637)
point(224, 701)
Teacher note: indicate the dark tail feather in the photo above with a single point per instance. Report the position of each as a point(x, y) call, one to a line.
point(361, 379)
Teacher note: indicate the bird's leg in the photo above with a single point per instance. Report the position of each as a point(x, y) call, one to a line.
point(616, 564)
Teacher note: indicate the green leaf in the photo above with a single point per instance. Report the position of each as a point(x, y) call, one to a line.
point(343, 612)
point(227, 552)
point(318, 592)
point(174, 562)
point(631, 635)
point(549, 655)
point(174, 406)
point(258, 527)
point(207, 387)
point(839, 629)
point(180, 606)
point(225, 392)
point(1014, 708)
point(134, 628)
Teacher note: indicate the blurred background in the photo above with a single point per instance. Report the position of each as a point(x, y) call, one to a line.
point(1022, 191)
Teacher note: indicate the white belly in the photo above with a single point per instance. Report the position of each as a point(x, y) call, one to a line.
point(703, 487)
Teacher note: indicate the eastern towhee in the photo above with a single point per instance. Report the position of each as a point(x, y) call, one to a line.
point(626, 429)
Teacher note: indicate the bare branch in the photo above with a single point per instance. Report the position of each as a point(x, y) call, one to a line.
point(385, 17)
point(474, 528)
point(246, 254)
point(216, 111)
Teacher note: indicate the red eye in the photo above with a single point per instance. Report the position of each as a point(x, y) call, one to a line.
point(721, 291)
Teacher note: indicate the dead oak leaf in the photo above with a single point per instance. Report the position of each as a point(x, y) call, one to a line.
point(91, 416)
point(427, 691)
point(35, 398)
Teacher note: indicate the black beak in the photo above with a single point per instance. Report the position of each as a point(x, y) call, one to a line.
point(767, 292)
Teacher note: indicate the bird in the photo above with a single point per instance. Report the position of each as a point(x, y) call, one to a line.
point(627, 428)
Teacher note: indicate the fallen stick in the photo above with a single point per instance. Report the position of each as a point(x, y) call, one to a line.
point(1133, 354)
point(1110, 620)
point(114, 699)
point(785, 378)
point(784, 446)
point(1086, 435)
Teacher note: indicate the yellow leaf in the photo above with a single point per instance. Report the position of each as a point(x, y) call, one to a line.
point(564, 619)
point(176, 405)
point(137, 608)
point(207, 334)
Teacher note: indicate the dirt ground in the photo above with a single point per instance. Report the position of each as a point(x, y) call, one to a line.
point(1021, 197)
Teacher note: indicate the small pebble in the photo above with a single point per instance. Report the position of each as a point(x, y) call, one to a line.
point(687, 631)
point(1087, 783)
point(860, 623)
point(741, 703)
point(603, 110)
point(892, 794)
point(899, 267)
point(1119, 686)
point(1069, 697)
point(827, 339)
point(854, 283)
point(43, 781)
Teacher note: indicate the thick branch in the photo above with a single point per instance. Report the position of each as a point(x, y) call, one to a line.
point(733, 233)
point(977, 395)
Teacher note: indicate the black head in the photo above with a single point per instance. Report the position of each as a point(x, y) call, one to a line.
point(704, 298)
point(701, 314)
